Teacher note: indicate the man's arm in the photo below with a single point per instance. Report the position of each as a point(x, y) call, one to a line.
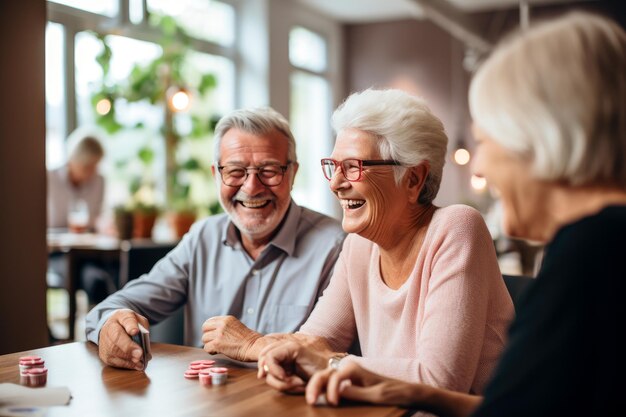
point(150, 298)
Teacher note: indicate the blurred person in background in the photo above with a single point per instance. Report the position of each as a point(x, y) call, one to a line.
point(77, 188)
point(74, 202)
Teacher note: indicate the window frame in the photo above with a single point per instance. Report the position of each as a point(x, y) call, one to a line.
point(75, 20)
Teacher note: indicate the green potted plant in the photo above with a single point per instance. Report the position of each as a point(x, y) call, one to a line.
point(144, 217)
point(162, 81)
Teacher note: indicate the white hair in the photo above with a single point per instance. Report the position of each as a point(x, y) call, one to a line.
point(405, 128)
point(555, 96)
point(257, 121)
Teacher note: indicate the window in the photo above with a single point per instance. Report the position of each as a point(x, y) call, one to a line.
point(310, 117)
point(73, 36)
point(204, 19)
point(103, 7)
point(307, 50)
point(55, 96)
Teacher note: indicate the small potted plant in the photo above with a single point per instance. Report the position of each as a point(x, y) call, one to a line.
point(144, 217)
point(124, 221)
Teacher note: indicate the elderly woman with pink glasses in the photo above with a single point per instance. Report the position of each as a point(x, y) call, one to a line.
point(418, 286)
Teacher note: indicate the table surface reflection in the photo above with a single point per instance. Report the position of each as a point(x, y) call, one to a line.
point(99, 390)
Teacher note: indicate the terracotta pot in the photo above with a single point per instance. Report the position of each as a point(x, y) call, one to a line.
point(143, 222)
point(180, 222)
point(124, 224)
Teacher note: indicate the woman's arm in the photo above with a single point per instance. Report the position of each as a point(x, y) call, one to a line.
point(457, 344)
point(354, 383)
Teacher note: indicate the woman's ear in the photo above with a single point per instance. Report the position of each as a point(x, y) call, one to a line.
point(415, 180)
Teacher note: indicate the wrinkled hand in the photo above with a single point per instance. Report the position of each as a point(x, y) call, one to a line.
point(286, 365)
point(227, 335)
point(308, 341)
point(355, 383)
point(115, 346)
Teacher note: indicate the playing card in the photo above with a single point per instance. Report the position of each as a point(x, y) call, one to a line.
point(143, 339)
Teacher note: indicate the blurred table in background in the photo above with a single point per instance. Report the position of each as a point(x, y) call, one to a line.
point(80, 248)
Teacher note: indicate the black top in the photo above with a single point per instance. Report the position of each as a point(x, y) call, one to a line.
point(563, 356)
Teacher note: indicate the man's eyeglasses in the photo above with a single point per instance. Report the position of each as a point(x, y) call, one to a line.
point(268, 175)
point(352, 169)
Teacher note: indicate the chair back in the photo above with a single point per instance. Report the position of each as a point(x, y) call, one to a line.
point(137, 258)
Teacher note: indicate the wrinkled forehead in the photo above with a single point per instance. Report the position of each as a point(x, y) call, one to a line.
point(245, 147)
point(355, 143)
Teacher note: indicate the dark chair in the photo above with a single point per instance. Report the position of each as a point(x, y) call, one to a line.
point(516, 284)
point(137, 258)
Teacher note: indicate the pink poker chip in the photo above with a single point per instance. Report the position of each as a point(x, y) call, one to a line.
point(31, 360)
point(37, 376)
point(205, 378)
point(218, 370)
point(200, 366)
point(203, 362)
point(192, 373)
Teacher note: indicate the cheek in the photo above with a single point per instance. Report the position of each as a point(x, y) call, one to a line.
point(227, 193)
point(378, 202)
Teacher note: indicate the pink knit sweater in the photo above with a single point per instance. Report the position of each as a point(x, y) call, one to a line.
point(446, 325)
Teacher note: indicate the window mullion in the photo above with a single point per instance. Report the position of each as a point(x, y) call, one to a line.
point(70, 80)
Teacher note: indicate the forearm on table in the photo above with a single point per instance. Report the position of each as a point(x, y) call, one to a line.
point(442, 402)
point(413, 371)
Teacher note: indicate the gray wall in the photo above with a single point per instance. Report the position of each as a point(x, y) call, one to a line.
point(420, 58)
point(22, 176)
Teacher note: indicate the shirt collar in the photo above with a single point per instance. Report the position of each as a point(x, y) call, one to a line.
point(285, 239)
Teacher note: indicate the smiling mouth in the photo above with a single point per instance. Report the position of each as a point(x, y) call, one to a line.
point(351, 204)
point(254, 204)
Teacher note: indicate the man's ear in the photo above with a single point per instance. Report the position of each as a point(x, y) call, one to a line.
point(415, 179)
point(295, 166)
point(213, 171)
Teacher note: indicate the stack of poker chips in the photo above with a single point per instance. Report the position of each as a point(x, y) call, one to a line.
point(218, 375)
point(193, 371)
point(204, 371)
point(33, 372)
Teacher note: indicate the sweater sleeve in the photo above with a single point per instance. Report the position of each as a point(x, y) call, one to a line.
point(451, 337)
point(333, 315)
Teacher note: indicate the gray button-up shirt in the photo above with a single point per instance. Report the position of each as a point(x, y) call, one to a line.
point(211, 272)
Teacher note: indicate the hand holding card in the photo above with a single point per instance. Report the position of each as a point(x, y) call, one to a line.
point(143, 339)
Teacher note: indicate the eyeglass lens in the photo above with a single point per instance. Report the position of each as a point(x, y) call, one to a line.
point(269, 175)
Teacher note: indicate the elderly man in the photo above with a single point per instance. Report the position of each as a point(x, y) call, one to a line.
point(258, 268)
point(75, 198)
point(77, 183)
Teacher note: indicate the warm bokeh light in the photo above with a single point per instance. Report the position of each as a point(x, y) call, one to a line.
point(180, 101)
point(103, 106)
point(478, 183)
point(461, 156)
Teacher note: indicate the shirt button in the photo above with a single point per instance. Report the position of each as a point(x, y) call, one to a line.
point(250, 311)
point(255, 272)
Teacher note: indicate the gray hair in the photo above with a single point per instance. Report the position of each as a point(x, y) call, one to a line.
point(405, 130)
point(257, 121)
point(554, 96)
point(87, 150)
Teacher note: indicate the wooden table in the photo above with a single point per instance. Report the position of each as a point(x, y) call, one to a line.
point(99, 390)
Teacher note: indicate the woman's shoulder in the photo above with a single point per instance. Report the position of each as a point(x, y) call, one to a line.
point(457, 215)
point(458, 223)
